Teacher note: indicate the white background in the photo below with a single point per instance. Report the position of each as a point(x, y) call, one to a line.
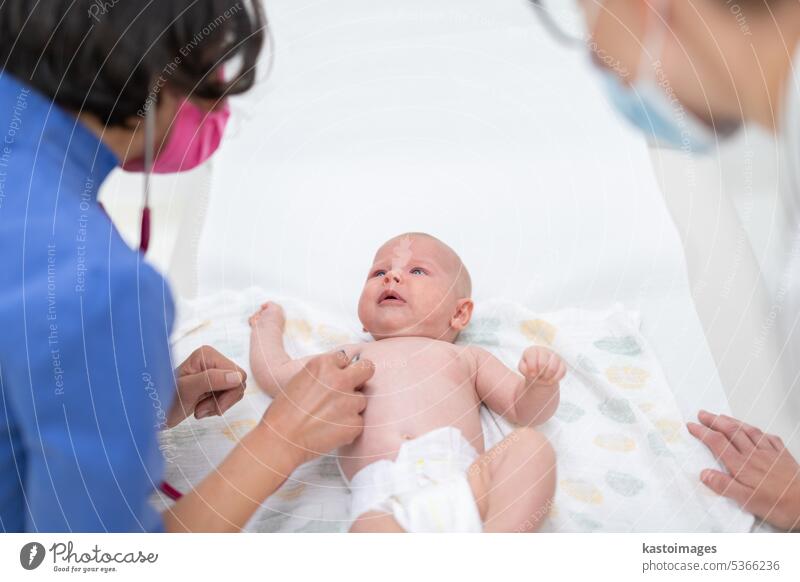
point(390, 558)
point(463, 118)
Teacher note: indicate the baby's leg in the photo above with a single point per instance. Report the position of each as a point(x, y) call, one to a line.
point(514, 482)
point(376, 522)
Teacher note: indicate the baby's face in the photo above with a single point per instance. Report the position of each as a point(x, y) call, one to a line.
point(416, 287)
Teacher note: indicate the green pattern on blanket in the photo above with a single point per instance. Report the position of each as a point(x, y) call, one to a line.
point(626, 346)
point(625, 460)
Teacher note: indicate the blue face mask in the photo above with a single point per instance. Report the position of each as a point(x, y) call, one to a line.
point(663, 120)
point(649, 104)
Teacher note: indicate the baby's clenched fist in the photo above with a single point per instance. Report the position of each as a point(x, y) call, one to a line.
point(542, 366)
point(269, 314)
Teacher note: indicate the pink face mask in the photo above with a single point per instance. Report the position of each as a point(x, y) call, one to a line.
point(193, 138)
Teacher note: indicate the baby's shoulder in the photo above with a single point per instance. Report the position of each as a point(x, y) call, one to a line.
point(472, 356)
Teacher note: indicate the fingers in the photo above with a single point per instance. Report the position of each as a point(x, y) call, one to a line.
point(218, 403)
point(542, 365)
point(210, 392)
point(357, 374)
point(225, 400)
point(775, 442)
point(342, 359)
point(719, 445)
point(220, 379)
point(268, 311)
point(727, 486)
point(562, 370)
point(205, 408)
point(350, 374)
point(733, 429)
point(207, 358)
point(556, 368)
point(355, 428)
point(339, 359)
point(729, 425)
point(361, 404)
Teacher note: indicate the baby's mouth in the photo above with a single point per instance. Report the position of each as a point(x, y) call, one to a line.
point(389, 297)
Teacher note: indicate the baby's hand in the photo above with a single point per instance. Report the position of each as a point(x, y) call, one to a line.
point(270, 314)
point(542, 366)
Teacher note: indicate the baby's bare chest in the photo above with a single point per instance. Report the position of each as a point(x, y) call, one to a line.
point(418, 374)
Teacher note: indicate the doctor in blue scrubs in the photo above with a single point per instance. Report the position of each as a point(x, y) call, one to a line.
point(86, 377)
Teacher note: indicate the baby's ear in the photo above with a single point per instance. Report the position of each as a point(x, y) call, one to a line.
point(463, 314)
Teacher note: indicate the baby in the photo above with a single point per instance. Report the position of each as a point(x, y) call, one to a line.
point(419, 464)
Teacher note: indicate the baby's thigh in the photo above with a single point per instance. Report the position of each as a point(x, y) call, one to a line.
point(376, 522)
point(514, 481)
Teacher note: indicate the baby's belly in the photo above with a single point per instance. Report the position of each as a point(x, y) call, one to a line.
point(395, 415)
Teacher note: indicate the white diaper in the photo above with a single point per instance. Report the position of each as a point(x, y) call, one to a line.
point(425, 488)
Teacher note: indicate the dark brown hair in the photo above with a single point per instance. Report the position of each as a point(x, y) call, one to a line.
point(111, 58)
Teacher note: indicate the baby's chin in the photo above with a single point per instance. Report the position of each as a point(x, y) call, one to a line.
point(399, 334)
point(389, 331)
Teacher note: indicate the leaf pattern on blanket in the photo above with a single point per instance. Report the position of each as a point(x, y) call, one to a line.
point(624, 463)
point(623, 346)
point(658, 446)
point(569, 412)
point(299, 329)
point(586, 365)
point(647, 407)
point(582, 491)
point(617, 409)
point(627, 377)
point(669, 429)
point(624, 484)
point(482, 331)
point(615, 442)
point(331, 338)
point(584, 522)
point(539, 331)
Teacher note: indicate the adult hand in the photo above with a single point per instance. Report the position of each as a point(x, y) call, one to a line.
point(208, 385)
point(321, 407)
point(762, 477)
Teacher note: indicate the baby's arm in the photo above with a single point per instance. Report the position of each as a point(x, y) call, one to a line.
point(271, 365)
point(530, 399)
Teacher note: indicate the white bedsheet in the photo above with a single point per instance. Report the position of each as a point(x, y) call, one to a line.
point(459, 118)
point(625, 459)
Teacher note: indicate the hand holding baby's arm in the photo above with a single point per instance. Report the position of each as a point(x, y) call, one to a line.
point(272, 367)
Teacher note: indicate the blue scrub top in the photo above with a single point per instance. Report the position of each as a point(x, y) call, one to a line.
point(86, 378)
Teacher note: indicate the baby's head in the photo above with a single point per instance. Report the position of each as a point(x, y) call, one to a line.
point(417, 286)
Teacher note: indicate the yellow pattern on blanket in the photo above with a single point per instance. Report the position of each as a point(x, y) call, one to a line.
point(625, 460)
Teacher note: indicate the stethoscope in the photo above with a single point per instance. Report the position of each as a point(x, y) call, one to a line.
point(144, 236)
point(149, 133)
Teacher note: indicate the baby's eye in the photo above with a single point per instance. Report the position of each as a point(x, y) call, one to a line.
point(417, 271)
point(379, 274)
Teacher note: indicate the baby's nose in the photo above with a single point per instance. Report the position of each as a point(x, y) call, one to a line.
point(391, 276)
